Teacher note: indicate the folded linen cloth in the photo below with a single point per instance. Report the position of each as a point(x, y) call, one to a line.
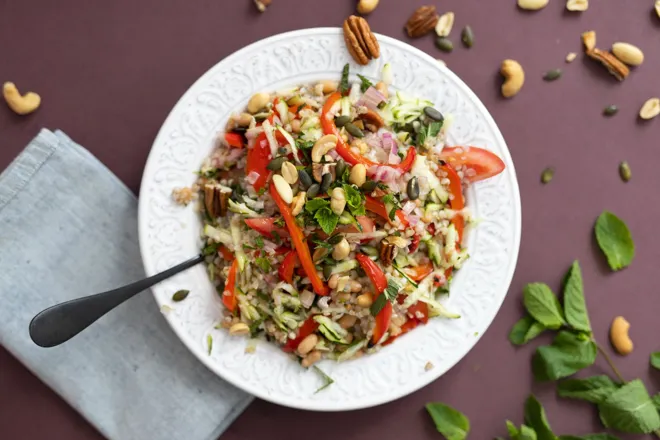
point(69, 229)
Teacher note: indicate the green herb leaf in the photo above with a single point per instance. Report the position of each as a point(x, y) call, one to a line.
point(656, 401)
point(343, 84)
point(451, 423)
point(535, 418)
point(210, 249)
point(259, 242)
point(543, 305)
point(316, 204)
point(602, 436)
point(615, 241)
point(575, 306)
point(354, 199)
point(280, 222)
point(593, 389)
point(263, 264)
point(323, 244)
point(327, 380)
point(209, 343)
point(630, 409)
point(526, 433)
point(655, 360)
point(525, 330)
point(180, 295)
point(389, 294)
point(326, 219)
point(365, 83)
point(568, 354)
point(511, 428)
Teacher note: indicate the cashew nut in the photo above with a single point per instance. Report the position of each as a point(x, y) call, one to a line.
point(257, 102)
point(21, 104)
point(619, 336)
point(322, 146)
point(514, 78)
point(364, 7)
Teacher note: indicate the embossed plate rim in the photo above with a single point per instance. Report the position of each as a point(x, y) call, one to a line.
point(331, 399)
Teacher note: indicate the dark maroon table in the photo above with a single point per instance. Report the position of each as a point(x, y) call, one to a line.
point(109, 73)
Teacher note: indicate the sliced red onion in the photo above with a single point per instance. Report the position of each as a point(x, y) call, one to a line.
point(252, 177)
point(333, 154)
point(413, 220)
point(373, 140)
point(408, 207)
point(371, 99)
point(227, 157)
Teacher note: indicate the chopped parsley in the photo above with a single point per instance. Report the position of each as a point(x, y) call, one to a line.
point(343, 84)
point(365, 83)
point(389, 294)
point(259, 242)
point(327, 380)
point(354, 200)
point(428, 131)
point(326, 219)
point(263, 264)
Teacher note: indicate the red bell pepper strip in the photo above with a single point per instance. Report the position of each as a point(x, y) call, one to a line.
point(414, 244)
point(423, 310)
point(258, 158)
point(297, 238)
point(344, 150)
point(420, 272)
point(234, 140)
point(288, 264)
point(379, 280)
point(266, 226)
point(226, 253)
point(483, 162)
point(405, 328)
point(456, 201)
point(308, 327)
point(229, 294)
point(378, 208)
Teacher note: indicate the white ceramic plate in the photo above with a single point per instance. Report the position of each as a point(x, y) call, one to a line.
point(170, 233)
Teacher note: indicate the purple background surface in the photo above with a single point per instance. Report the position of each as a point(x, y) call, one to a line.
point(109, 73)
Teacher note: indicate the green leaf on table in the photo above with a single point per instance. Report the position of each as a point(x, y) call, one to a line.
point(568, 354)
point(452, 424)
point(614, 239)
point(527, 433)
point(543, 305)
point(511, 428)
point(656, 401)
point(601, 436)
point(593, 389)
point(655, 360)
point(575, 307)
point(535, 418)
point(525, 330)
point(630, 409)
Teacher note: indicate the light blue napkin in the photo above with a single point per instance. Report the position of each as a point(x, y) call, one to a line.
point(68, 228)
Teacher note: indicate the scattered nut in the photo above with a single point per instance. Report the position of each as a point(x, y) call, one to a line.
point(365, 7)
point(298, 203)
point(589, 40)
point(532, 5)
point(382, 88)
point(422, 21)
point(650, 109)
point(20, 104)
point(387, 252)
point(338, 201)
point(341, 250)
point(444, 25)
point(283, 188)
point(577, 5)
point(619, 336)
point(371, 117)
point(262, 4)
point(329, 86)
point(514, 78)
point(307, 344)
point(571, 57)
point(428, 366)
point(216, 200)
point(358, 175)
point(289, 172)
point(322, 146)
point(613, 65)
point(629, 54)
point(360, 41)
point(239, 329)
point(657, 8)
point(257, 102)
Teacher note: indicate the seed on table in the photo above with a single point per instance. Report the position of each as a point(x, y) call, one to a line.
point(552, 75)
point(340, 168)
point(650, 109)
point(313, 191)
point(354, 130)
point(624, 171)
point(276, 164)
point(369, 185)
point(610, 110)
point(180, 295)
point(467, 36)
point(571, 57)
point(444, 44)
point(547, 175)
point(342, 120)
point(326, 180)
point(413, 189)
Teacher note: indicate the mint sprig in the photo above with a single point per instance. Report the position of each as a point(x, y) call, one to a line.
point(614, 239)
point(449, 422)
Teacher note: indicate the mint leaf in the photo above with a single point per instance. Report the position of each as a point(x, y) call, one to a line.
point(535, 418)
point(655, 360)
point(315, 204)
point(513, 431)
point(525, 330)
point(263, 264)
point(326, 219)
point(615, 241)
point(543, 305)
point(602, 436)
point(656, 401)
point(526, 433)
point(354, 199)
point(389, 294)
point(593, 389)
point(452, 424)
point(568, 354)
point(259, 241)
point(343, 84)
point(365, 83)
point(630, 409)
point(575, 307)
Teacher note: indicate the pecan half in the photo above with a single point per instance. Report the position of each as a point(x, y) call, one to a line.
point(589, 40)
point(422, 21)
point(372, 118)
point(360, 41)
point(612, 63)
point(387, 252)
point(216, 200)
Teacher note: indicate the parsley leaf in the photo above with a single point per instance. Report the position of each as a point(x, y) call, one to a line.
point(263, 264)
point(593, 389)
point(602, 436)
point(630, 409)
point(211, 249)
point(614, 239)
point(525, 330)
point(568, 354)
point(389, 294)
point(449, 422)
point(655, 360)
point(365, 83)
point(543, 305)
point(536, 419)
point(326, 219)
point(316, 204)
point(327, 380)
point(280, 222)
point(354, 199)
point(259, 242)
point(343, 84)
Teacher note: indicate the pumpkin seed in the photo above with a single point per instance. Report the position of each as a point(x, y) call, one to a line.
point(282, 150)
point(327, 271)
point(220, 288)
point(326, 180)
point(467, 36)
point(313, 191)
point(305, 179)
point(340, 168)
point(624, 171)
point(342, 120)
point(353, 130)
point(276, 164)
point(413, 189)
point(369, 185)
point(433, 114)
point(444, 44)
point(610, 110)
point(552, 75)
point(547, 175)
point(335, 239)
point(180, 295)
